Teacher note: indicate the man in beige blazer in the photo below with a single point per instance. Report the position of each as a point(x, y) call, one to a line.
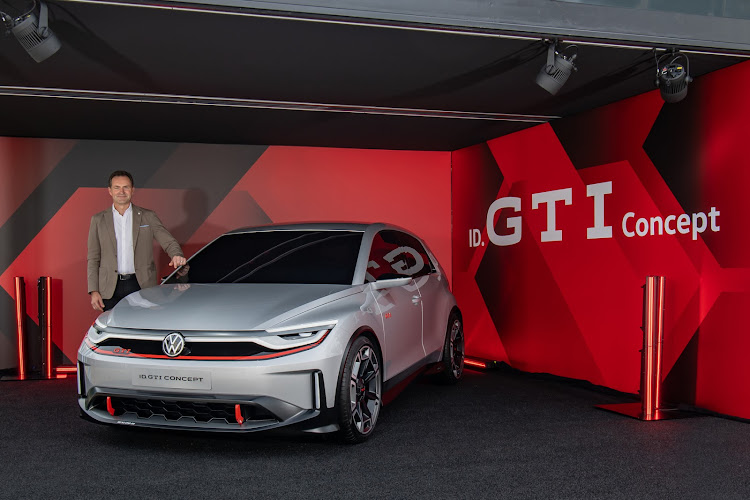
point(120, 254)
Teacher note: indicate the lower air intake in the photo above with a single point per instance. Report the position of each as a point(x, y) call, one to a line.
point(200, 411)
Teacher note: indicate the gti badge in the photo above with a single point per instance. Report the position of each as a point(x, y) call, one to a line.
point(173, 344)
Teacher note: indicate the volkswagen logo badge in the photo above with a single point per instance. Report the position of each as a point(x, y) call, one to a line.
point(173, 344)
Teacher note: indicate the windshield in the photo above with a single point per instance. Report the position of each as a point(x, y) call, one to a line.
point(313, 257)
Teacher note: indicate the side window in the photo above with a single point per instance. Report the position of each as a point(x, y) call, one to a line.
point(394, 255)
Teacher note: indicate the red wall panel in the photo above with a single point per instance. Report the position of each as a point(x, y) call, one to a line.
point(410, 189)
point(407, 188)
point(570, 302)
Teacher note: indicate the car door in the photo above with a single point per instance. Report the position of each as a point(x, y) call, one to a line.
point(400, 306)
point(432, 292)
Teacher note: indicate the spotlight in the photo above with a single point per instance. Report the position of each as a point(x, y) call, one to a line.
point(673, 76)
point(556, 72)
point(34, 33)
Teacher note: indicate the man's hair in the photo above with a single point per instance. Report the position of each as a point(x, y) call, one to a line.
point(120, 173)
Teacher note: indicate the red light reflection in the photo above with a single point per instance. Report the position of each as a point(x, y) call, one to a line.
point(478, 364)
point(20, 313)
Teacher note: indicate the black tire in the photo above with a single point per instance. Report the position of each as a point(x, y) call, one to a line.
point(453, 350)
point(359, 391)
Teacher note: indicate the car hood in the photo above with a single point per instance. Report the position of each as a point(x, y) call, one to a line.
point(220, 307)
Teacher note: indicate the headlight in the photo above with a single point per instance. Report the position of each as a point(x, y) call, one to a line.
point(289, 337)
point(95, 331)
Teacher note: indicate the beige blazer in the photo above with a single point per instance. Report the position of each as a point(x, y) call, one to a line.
point(102, 250)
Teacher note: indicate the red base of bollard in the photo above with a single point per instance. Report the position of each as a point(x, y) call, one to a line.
point(635, 410)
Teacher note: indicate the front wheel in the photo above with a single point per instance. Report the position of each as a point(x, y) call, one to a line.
point(453, 351)
point(359, 395)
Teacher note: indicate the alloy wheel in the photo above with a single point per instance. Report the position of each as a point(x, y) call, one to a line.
point(456, 348)
point(365, 390)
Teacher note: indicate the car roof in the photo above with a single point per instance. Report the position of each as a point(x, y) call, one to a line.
point(316, 226)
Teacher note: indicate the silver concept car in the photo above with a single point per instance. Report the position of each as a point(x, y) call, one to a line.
point(304, 325)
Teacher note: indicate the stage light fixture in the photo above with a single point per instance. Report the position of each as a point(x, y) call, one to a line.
point(673, 76)
point(558, 68)
point(34, 33)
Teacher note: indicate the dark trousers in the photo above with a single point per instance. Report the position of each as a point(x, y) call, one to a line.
point(122, 290)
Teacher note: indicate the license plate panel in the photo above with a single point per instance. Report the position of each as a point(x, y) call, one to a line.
point(172, 379)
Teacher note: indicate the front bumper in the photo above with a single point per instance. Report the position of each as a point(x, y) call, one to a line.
point(232, 396)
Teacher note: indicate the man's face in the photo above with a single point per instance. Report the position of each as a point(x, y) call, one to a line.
point(121, 190)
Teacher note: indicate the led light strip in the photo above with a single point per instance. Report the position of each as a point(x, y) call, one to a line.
point(653, 335)
point(474, 363)
point(659, 337)
point(48, 312)
point(102, 350)
point(304, 327)
point(227, 102)
point(259, 339)
point(20, 313)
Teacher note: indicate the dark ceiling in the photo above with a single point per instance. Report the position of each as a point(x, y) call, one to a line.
point(135, 72)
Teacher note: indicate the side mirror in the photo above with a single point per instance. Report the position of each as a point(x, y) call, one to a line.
point(391, 283)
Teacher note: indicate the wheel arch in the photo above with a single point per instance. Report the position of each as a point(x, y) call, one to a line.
point(359, 332)
point(454, 310)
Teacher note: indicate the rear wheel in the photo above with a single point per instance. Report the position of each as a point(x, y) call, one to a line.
point(359, 395)
point(453, 351)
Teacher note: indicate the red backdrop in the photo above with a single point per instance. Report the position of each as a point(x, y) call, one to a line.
point(570, 304)
point(553, 297)
point(283, 184)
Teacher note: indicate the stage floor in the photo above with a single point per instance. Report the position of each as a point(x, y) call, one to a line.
point(498, 434)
